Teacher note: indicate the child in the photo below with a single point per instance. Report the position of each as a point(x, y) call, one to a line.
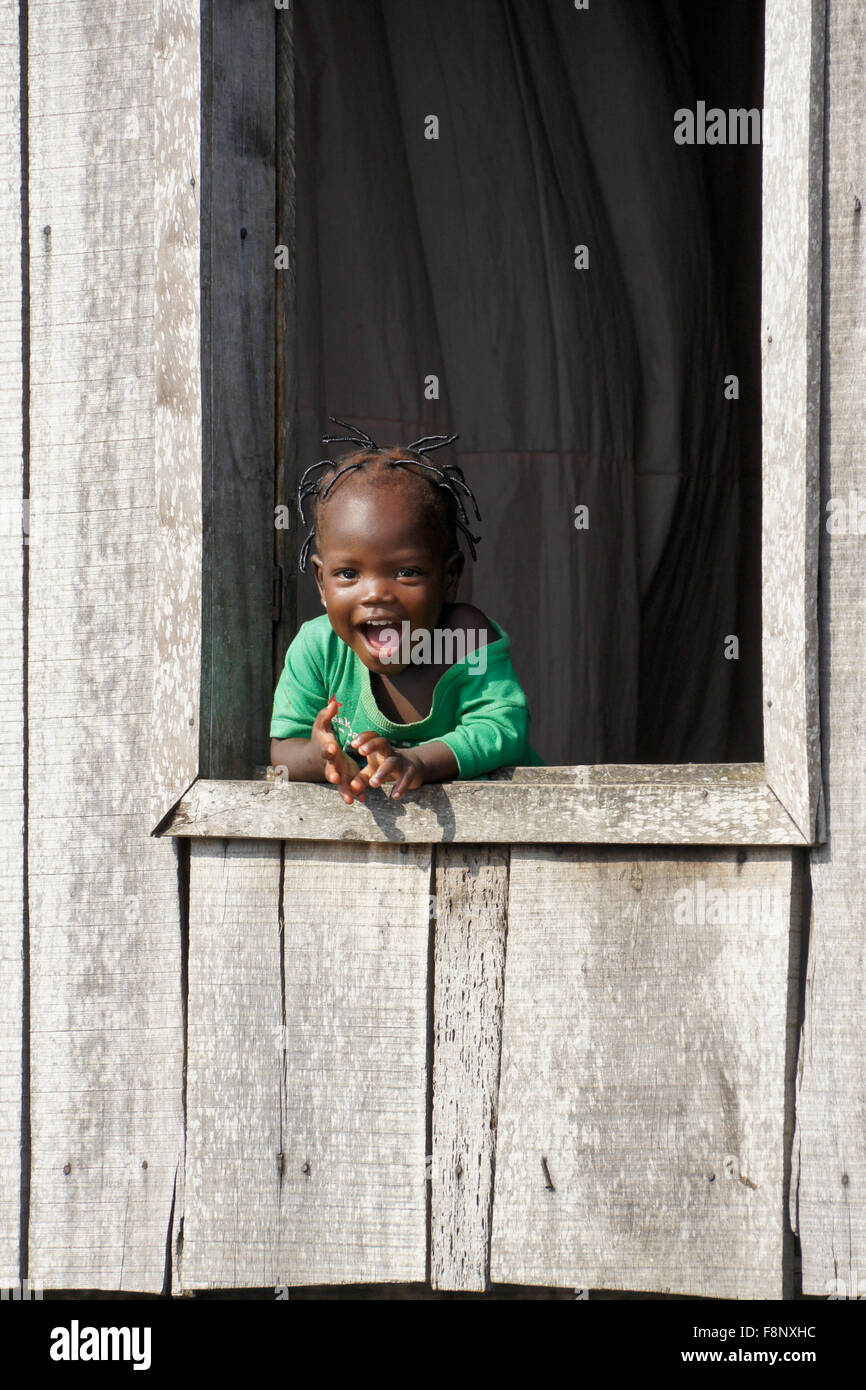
point(377, 673)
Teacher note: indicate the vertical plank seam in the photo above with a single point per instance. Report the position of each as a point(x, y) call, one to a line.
point(793, 1024)
point(285, 334)
point(276, 616)
point(494, 1099)
point(433, 918)
point(206, 696)
point(802, 991)
point(25, 1137)
point(823, 430)
point(816, 388)
point(183, 893)
point(284, 1058)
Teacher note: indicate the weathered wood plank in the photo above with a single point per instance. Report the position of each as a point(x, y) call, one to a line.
point(643, 1099)
point(235, 1068)
point(106, 1035)
point(12, 519)
point(177, 552)
point(731, 807)
point(604, 774)
point(469, 969)
point(791, 395)
point(828, 1202)
point(238, 287)
point(327, 1067)
point(287, 538)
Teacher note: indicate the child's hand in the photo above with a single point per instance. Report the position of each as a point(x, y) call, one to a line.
point(340, 770)
point(384, 765)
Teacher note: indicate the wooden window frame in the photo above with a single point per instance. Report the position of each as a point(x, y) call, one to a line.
point(204, 59)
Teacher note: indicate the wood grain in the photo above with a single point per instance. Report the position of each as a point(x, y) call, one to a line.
point(12, 519)
point(643, 1098)
point(235, 1068)
point(177, 540)
point(791, 395)
point(469, 976)
point(238, 287)
point(730, 805)
point(828, 1204)
point(106, 1037)
point(326, 1066)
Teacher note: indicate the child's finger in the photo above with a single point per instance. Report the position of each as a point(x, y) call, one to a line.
point(363, 742)
point(405, 782)
point(324, 717)
point(372, 743)
point(386, 769)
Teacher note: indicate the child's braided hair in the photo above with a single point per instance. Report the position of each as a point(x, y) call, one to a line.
point(449, 478)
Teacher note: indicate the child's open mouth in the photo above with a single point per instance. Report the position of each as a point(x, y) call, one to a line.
point(381, 636)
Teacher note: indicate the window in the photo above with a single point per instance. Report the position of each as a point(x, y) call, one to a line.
point(244, 429)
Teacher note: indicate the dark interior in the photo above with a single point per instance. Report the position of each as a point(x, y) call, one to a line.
point(600, 387)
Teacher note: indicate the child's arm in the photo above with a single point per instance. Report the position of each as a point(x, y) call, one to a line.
point(320, 758)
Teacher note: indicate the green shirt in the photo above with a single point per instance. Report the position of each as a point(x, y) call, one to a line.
point(481, 716)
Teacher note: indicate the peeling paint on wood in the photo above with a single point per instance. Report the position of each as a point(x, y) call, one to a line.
point(729, 806)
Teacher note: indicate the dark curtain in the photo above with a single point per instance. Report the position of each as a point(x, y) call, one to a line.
point(601, 387)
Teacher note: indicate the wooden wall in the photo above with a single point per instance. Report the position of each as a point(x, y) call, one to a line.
point(106, 1022)
point(13, 551)
point(828, 1200)
point(401, 1063)
point(625, 1074)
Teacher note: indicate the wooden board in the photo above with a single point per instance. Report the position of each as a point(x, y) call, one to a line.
point(106, 1035)
point(729, 804)
point(235, 1068)
point(828, 1204)
point(323, 1063)
point(792, 173)
point(469, 975)
point(12, 517)
point(287, 540)
point(643, 1096)
point(177, 554)
point(238, 287)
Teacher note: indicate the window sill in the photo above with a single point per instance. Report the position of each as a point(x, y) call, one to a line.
point(698, 804)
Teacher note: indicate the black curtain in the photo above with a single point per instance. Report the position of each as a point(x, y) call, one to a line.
point(600, 387)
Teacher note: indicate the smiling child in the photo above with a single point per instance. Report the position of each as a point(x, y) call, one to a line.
point(376, 690)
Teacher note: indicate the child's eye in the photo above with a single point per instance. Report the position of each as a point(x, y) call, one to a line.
point(408, 570)
point(346, 574)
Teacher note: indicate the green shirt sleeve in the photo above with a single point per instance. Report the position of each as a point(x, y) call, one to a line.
point(482, 743)
point(300, 692)
point(493, 725)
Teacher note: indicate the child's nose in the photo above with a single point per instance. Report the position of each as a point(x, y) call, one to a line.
point(378, 589)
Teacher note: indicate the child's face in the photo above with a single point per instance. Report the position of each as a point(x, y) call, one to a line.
point(378, 559)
